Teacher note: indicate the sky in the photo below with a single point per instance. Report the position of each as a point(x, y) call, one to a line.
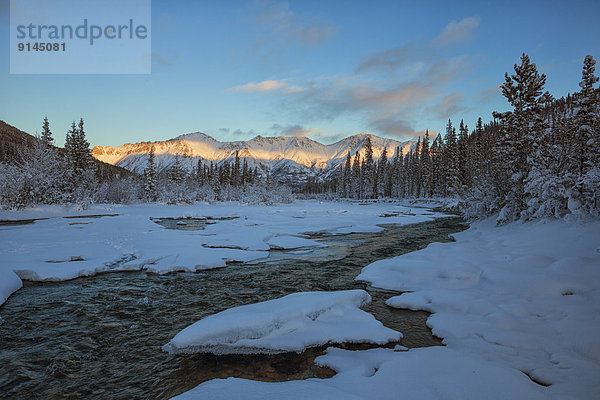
point(324, 69)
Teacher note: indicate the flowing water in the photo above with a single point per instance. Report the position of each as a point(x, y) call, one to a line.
point(101, 337)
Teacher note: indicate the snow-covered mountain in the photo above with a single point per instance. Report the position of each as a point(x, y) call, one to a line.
point(290, 160)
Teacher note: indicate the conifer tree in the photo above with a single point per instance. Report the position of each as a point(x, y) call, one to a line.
point(46, 133)
point(356, 177)
point(451, 161)
point(586, 194)
point(395, 175)
point(368, 171)
point(426, 166)
point(347, 177)
point(524, 91)
point(382, 175)
point(438, 182)
point(77, 149)
point(235, 174)
point(176, 172)
point(463, 157)
point(587, 135)
point(245, 177)
point(150, 181)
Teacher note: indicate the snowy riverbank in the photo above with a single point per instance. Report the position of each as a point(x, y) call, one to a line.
point(106, 238)
point(517, 307)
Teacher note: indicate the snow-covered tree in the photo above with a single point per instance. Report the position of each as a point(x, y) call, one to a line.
point(450, 161)
point(368, 171)
point(150, 178)
point(524, 91)
point(46, 136)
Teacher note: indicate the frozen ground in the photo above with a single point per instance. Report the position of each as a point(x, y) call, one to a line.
point(518, 308)
point(291, 323)
point(58, 248)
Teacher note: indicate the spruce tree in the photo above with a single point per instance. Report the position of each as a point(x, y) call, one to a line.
point(77, 149)
point(463, 167)
point(347, 178)
point(426, 166)
point(587, 136)
point(150, 182)
point(46, 133)
point(235, 173)
point(382, 175)
point(356, 177)
point(176, 172)
point(451, 161)
point(438, 181)
point(368, 171)
point(586, 194)
point(395, 175)
point(524, 91)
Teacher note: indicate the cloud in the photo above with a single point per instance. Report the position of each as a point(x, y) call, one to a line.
point(278, 21)
point(248, 133)
point(389, 91)
point(330, 98)
point(294, 130)
point(414, 56)
point(450, 106)
point(457, 31)
point(388, 59)
point(393, 126)
point(384, 107)
point(263, 86)
point(297, 130)
point(488, 94)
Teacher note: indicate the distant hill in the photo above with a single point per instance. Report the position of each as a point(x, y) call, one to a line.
point(13, 141)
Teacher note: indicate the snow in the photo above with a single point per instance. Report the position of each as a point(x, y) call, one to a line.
point(291, 323)
point(9, 284)
point(517, 306)
point(526, 296)
point(283, 156)
point(292, 242)
point(429, 373)
point(126, 239)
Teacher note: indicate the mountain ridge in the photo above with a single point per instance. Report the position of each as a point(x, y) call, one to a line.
point(288, 159)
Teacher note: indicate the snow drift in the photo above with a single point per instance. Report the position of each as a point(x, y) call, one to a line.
point(291, 323)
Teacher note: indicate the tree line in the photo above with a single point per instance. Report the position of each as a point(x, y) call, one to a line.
point(44, 175)
point(542, 159)
point(208, 181)
point(41, 173)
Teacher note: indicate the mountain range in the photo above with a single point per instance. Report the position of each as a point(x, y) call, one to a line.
point(289, 160)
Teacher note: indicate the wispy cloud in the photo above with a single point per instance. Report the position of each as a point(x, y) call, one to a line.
point(488, 94)
point(243, 134)
point(389, 91)
point(276, 18)
point(387, 109)
point(267, 86)
point(393, 126)
point(457, 31)
point(294, 130)
point(450, 106)
point(263, 86)
point(388, 59)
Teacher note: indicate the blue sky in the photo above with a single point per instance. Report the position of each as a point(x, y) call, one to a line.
point(322, 69)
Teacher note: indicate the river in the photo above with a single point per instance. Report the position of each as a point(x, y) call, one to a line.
point(101, 336)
